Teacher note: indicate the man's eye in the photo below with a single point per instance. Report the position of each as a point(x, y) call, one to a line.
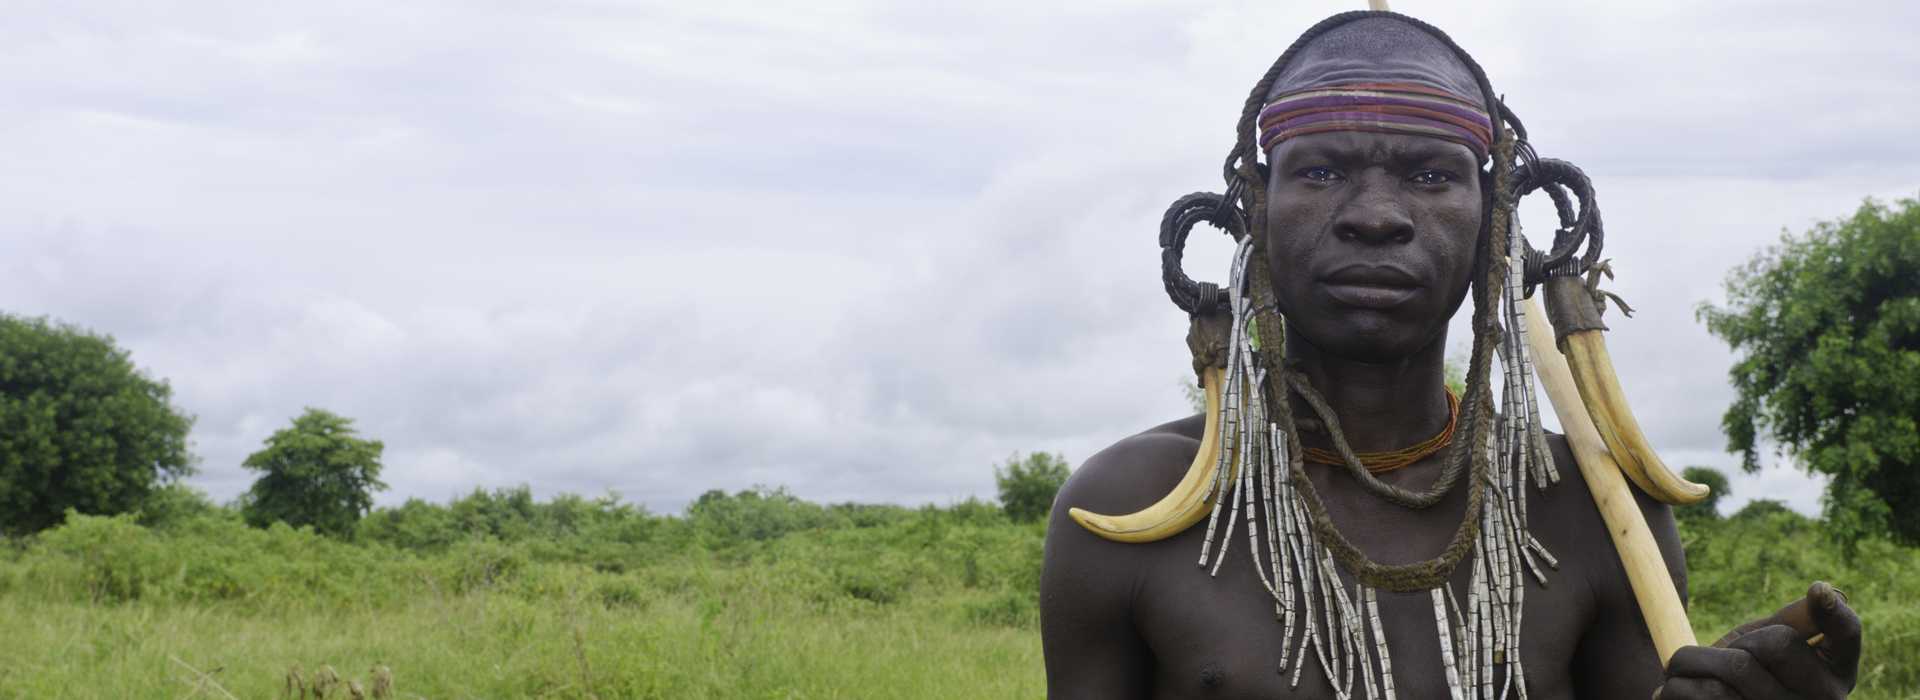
point(1432, 177)
point(1318, 174)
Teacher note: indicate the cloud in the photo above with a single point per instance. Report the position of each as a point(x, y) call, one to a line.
point(865, 250)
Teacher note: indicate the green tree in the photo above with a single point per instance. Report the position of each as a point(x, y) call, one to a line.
point(1027, 486)
point(81, 428)
point(1828, 328)
point(317, 472)
point(1708, 509)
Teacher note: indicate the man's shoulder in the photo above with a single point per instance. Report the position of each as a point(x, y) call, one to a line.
point(1084, 575)
point(1134, 471)
point(1566, 514)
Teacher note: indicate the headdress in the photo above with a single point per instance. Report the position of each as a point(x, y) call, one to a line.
point(1385, 107)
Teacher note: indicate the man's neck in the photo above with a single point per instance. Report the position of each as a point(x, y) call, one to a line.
point(1380, 407)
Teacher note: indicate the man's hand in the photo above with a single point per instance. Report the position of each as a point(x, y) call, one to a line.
point(1770, 658)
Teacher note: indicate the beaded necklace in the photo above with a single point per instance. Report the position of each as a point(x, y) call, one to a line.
point(1383, 462)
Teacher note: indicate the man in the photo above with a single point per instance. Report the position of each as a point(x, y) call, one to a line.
point(1377, 569)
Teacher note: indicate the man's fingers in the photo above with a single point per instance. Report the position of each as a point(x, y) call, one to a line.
point(1763, 658)
point(1735, 668)
point(1695, 689)
point(1795, 614)
point(1783, 651)
point(1840, 624)
point(1800, 614)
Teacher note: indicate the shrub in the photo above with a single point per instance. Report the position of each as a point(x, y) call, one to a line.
point(416, 525)
point(1027, 486)
point(483, 563)
point(872, 584)
point(1765, 509)
point(1718, 487)
point(173, 505)
point(756, 514)
point(1019, 609)
point(111, 557)
point(620, 592)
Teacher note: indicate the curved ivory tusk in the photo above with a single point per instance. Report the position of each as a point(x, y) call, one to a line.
point(1646, 571)
point(1592, 367)
point(1190, 500)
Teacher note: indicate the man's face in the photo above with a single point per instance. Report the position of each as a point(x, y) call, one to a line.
point(1371, 239)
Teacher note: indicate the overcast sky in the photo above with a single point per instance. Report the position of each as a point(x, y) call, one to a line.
point(861, 249)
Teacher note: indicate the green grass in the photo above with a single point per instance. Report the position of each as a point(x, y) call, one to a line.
point(499, 646)
point(755, 595)
point(936, 603)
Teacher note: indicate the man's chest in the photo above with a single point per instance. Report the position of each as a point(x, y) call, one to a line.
point(1222, 636)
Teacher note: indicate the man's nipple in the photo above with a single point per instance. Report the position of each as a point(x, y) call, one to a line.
point(1211, 676)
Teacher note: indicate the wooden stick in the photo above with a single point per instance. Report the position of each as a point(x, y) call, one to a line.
point(205, 680)
point(1647, 572)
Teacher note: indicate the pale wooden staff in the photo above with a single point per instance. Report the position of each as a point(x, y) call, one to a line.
point(1646, 570)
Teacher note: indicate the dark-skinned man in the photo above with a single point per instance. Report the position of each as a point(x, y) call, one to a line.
point(1369, 534)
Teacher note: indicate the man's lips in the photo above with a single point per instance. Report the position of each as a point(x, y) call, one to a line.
point(1371, 286)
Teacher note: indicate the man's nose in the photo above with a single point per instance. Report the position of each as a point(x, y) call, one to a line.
point(1376, 215)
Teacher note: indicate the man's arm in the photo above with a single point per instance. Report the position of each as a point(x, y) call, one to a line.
point(1088, 584)
point(1616, 658)
point(1086, 628)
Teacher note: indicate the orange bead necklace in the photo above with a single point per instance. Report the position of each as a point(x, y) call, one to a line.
point(1383, 462)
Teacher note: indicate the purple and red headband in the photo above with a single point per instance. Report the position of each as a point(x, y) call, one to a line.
point(1393, 108)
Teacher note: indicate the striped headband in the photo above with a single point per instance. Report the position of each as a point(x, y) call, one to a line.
point(1392, 108)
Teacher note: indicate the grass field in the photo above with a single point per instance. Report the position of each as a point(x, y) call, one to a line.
point(753, 595)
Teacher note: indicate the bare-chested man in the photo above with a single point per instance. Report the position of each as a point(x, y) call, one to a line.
point(1375, 225)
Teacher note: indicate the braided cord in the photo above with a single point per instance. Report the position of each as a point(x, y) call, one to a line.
point(1556, 177)
point(1382, 462)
